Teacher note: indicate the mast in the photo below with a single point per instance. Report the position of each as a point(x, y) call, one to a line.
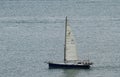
point(65, 39)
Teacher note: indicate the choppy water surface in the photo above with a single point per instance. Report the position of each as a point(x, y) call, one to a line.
point(32, 32)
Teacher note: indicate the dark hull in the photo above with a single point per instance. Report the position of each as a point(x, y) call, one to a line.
point(71, 66)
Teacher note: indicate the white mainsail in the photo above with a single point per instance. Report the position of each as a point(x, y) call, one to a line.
point(70, 52)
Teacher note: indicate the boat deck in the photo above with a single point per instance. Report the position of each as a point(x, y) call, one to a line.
point(69, 65)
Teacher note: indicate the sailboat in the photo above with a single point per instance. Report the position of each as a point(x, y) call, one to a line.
point(70, 54)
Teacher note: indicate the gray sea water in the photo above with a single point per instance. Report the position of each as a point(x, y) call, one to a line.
point(32, 31)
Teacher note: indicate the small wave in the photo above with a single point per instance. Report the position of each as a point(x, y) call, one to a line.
point(106, 66)
point(55, 19)
point(30, 20)
point(98, 2)
point(91, 1)
point(115, 19)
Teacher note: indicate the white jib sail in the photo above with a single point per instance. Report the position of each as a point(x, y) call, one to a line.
point(70, 52)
